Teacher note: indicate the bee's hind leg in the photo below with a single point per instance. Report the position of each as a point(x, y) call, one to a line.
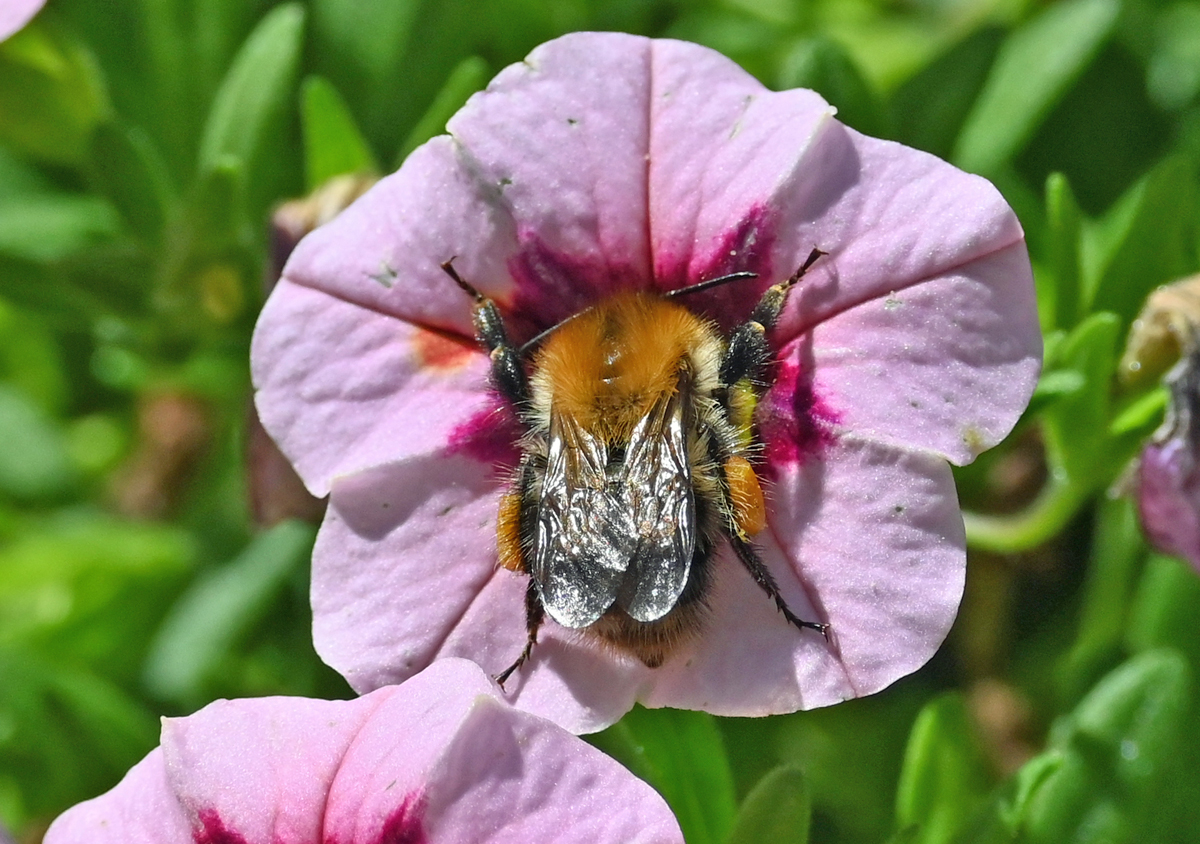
point(762, 576)
point(535, 614)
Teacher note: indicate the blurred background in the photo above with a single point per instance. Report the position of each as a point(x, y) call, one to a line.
point(154, 552)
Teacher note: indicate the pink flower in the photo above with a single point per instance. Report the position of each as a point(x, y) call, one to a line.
point(1168, 473)
point(14, 14)
point(606, 162)
point(439, 759)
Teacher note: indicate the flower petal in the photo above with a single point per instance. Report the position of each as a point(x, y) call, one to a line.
point(743, 178)
point(343, 388)
point(946, 365)
point(14, 14)
point(404, 573)
point(385, 251)
point(141, 809)
point(568, 679)
point(724, 152)
point(600, 162)
point(871, 541)
point(259, 770)
point(876, 534)
point(506, 779)
point(403, 552)
point(438, 759)
point(890, 217)
point(564, 144)
point(381, 786)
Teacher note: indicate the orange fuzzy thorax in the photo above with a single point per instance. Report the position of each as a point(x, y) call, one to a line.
point(606, 367)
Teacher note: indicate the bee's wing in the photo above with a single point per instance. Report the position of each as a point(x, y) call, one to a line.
point(655, 491)
point(582, 548)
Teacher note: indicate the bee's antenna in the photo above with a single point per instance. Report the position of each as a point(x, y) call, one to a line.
point(709, 283)
point(448, 269)
point(808, 262)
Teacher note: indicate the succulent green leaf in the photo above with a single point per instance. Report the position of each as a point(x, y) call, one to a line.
point(221, 606)
point(256, 90)
point(944, 777)
point(34, 462)
point(1064, 219)
point(52, 94)
point(1076, 425)
point(127, 168)
point(333, 145)
point(778, 810)
point(1118, 747)
point(1166, 604)
point(43, 227)
point(1111, 578)
point(929, 108)
point(1143, 241)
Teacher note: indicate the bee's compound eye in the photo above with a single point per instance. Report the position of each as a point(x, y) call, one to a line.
point(746, 496)
point(508, 532)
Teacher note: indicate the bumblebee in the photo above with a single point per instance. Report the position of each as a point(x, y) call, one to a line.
point(636, 463)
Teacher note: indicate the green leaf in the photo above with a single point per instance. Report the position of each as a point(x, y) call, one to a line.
point(469, 76)
point(1143, 241)
point(1025, 785)
point(51, 94)
point(1033, 69)
point(221, 607)
point(778, 810)
point(219, 216)
point(1112, 573)
point(1117, 747)
point(929, 108)
point(824, 66)
point(52, 715)
point(333, 144)
point(90, 587)
point(390, 69)
point(34, 463)
point(1142, 415)
point(51, 226)
point(255, 91)
point(31, 360)
point(944, 777)
point(1173, 72)
point(681, 754)
point(376, 49)
point(127, 168)
point(1055, 384)
point(1166, 604)
point(1063, 218)
point(1076, 425)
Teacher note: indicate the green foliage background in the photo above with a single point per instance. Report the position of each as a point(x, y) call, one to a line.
point(143, 145)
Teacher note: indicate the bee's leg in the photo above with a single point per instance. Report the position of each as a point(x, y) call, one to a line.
point(762, 576)
point(508, 373)
point(748, 352)
point(535, 614)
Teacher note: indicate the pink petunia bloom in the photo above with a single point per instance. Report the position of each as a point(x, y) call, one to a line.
point(14, 14)
point(441, 758)
point(606, 162)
